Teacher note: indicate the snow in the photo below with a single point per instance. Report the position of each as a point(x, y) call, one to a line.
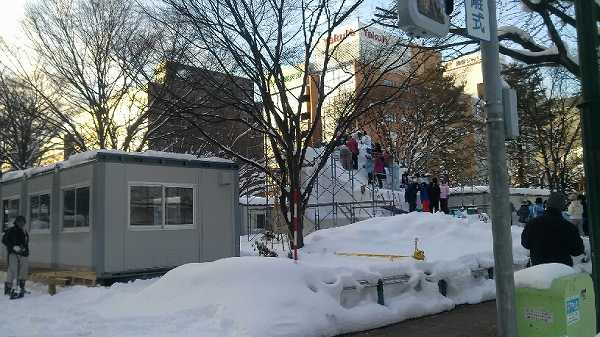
point(256, 200)
point(322, 294)
point(547, 51)
point(514, 30)
point(80, 158)
point(542, 276)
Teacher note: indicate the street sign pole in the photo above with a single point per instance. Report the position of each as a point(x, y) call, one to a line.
point(498, 176)
point(587, 34)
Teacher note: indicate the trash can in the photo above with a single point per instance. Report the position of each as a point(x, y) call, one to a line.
point(553, 300)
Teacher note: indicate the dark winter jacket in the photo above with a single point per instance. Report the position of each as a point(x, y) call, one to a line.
point(550, 238)
point(15, 236)
point(523, 213)
point(424, 189)
point(410, 194)
point(434, 192)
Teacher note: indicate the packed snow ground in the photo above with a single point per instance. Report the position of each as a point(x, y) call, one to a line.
point(320, 295)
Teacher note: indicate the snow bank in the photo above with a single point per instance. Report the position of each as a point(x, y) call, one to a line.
point(323, 294)
point(542, 275)
point(443, 238)
point(80, 158)
point(258, 297)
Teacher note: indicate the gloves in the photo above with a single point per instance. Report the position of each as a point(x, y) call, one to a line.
point(17, 249)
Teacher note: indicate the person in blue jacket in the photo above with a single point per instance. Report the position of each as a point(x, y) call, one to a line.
point(537, 209)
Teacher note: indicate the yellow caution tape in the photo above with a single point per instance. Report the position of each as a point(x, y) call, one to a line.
point(417, 255)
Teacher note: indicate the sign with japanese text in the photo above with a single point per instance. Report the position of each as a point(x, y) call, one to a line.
point(478, 19)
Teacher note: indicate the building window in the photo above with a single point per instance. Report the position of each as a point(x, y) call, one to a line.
point(10, 210)
point(145, 206)
point(39, 211)
point(261, 221)
point(160, 206)
point(179, 205)
point(76, 207)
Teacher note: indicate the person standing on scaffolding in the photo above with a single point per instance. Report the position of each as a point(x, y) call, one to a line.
point(379, 164)
point(16, 240)
point(352, 145)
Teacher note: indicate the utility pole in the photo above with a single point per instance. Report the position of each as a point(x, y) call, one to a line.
point(498, 176)
point(587, 35)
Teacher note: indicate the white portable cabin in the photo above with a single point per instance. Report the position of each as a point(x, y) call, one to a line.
point(479, 196)
point(124, 214)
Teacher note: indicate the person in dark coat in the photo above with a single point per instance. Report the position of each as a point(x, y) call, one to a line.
point(550, 238)
point(16, 240)
point(410, 195)
point(523, 213)
point(434, 195)
point(424, 194)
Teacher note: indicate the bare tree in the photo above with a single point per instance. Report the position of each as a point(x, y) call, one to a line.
point(535, 32)
point(429, 126)
point(91, 62)
point(262, 41)
point(25, 137)
point(546, 151)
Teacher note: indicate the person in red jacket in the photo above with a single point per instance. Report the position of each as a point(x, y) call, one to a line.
point(352, 145)
point(379, 168)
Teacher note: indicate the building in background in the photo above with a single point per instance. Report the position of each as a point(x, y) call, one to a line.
point(185, 99)
point(358, 54)
point(466, 71)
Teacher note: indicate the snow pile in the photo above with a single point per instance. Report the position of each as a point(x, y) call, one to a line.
point(442, 237)
point(323, 294)
point(542, 275)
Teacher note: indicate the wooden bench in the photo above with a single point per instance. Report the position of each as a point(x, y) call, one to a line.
point(64, 278)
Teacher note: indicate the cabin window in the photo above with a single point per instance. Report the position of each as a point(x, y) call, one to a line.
point(39, 211)
point(76, 207)
point(10, 210)
point(160, 206)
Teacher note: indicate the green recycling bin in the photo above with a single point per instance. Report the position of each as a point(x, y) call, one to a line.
point(563, 308)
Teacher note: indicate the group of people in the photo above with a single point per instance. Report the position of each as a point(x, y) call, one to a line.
point(576, 211)
point(16, 241)
point(376, 159)
point(432, 195)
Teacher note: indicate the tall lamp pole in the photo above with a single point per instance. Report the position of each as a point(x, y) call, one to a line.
point(587, 34)
point(498, 176)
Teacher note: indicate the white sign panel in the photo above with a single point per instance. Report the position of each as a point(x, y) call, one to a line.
point(478, 19)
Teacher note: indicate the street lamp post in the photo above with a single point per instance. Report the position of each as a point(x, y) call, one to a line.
point(587, 34)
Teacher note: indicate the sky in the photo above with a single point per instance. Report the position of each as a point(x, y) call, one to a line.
point(11, 13)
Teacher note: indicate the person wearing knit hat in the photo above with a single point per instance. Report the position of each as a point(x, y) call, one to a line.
point(550, 238)
point(16, 240)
